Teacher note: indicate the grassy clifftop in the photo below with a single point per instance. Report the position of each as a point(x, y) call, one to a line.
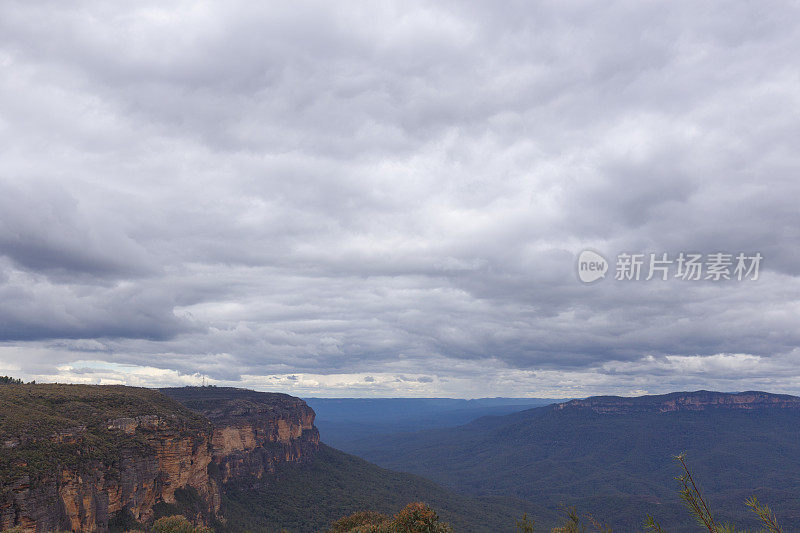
point(45, 425)
point(225, 406)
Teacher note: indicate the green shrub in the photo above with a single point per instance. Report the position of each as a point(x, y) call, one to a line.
point(418, 518)
point(177, 524)
point(357, 520)
point(414, 518)
point(525, 524)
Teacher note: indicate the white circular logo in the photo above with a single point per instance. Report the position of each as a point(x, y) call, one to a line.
point(591, 266)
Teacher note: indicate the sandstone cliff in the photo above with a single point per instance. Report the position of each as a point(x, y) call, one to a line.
point(252, 430)
point(73, 457)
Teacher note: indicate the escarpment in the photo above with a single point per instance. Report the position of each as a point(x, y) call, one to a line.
point(685, 401)
point(253, 431)
point(75, 457)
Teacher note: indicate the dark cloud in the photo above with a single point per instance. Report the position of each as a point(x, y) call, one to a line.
point(396, 194)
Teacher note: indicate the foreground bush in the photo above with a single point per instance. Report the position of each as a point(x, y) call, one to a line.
point(361, 519)
point(177, 524)
point(414, 518)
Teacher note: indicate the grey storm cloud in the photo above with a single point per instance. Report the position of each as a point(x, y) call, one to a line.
point(394, 188)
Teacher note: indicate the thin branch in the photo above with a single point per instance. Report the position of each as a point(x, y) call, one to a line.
point(696, 490)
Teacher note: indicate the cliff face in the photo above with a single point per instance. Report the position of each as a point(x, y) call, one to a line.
point(155, 457)
point(252, 430)
point(685, 401)
point(78, 478)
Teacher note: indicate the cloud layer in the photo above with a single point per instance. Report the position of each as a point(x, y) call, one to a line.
point(301, 197)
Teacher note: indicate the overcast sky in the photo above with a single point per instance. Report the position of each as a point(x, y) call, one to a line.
point(388, 198)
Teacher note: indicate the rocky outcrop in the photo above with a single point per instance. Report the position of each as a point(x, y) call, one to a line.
point(253, 431)
point(684, 401)
point(86, 495)
point(145, 459)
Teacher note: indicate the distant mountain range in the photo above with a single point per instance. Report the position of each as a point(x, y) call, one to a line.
point(612, 456)
point(346, 421)
point(683, 401)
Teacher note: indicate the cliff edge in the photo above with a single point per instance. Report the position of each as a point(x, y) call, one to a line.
point(253, 431)
point(74, 457)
